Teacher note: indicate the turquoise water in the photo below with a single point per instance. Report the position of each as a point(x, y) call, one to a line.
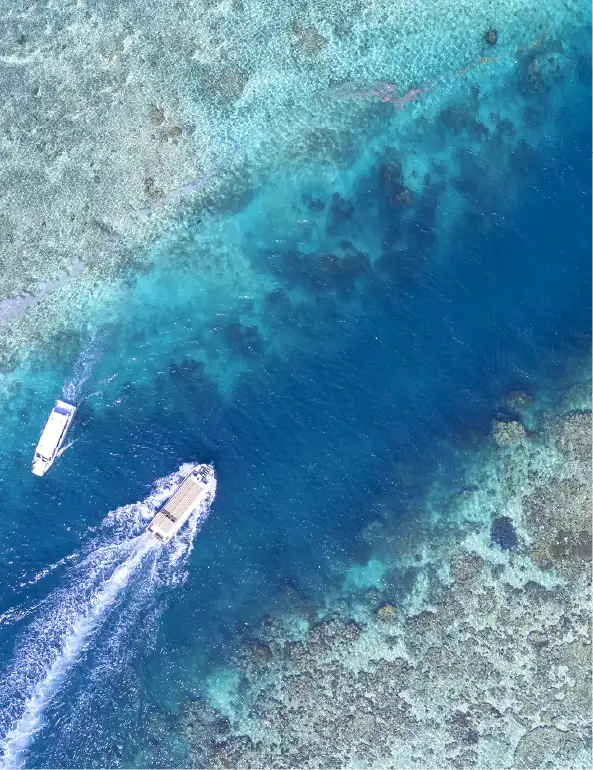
point(333, 324)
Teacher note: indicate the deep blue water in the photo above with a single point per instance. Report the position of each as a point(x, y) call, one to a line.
point(349, 342)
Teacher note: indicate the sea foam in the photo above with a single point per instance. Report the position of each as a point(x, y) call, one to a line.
point(121, 558)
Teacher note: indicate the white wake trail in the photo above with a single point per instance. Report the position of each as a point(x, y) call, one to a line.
point(73, 616)
point(78, 636)
point(81, 370)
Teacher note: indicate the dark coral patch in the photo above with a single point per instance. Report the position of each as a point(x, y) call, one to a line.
point(503, 534)
point(340, 211)
point(531, 76)
point(224, 85)
point(188, 369)
point(505, 127)
point(244, 340)
point(491, 36)
point(314, 205)
point(321, 273)
point(523, 158)
point(583, 69)
point(473, 173)
point(340, 273)
point(461, 120)
point(278, 302)
point(531, 117)
point(308, 41)
point(391, 180)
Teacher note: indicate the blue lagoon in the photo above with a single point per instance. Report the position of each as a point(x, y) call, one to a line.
point(343, 254)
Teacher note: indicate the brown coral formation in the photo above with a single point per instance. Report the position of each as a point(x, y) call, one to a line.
point(459, 691)
point(386, 612)
point(518, 399)
point(507, 432)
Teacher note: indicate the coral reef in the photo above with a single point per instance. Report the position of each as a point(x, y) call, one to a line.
point(386, 612)
point(485, 664)
point(503, 532)
point(507, 431)
point(100, 101)
point(519, 399)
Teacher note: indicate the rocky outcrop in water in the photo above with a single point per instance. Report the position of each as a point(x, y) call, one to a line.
point(519, 400)
point(491, 36)
point(507, 432)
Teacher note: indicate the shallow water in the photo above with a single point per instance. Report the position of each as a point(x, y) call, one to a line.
point(335, 325)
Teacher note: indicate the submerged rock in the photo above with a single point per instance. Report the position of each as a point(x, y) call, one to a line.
point(538, 639)
point(173, 133)
point(491, 36)
point(547, 746)
point(465, 567)
point(329, 632)
point(256, 652)
point(386, 612)
point(504, 432)
point(230, 751)
point(571, 546)
point(560, 525)
point(503, 534)
point(519, 399)
point(150, 188)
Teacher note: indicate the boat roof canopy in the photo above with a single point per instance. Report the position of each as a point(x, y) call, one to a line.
point(53, 430)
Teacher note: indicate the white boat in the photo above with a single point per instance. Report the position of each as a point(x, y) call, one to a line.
point(183, 502)
point(53, 437)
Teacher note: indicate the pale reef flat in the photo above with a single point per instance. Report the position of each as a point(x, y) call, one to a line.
point(107, 109)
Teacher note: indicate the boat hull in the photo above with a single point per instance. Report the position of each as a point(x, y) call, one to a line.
point(191, 493)
point(52, 438)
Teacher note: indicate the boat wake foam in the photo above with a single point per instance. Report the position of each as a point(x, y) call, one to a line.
point(121, 562)
point(81, 371)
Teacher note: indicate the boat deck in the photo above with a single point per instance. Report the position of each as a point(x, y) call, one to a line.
point(180, 506)
point(185, 498)
point(52, 432)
